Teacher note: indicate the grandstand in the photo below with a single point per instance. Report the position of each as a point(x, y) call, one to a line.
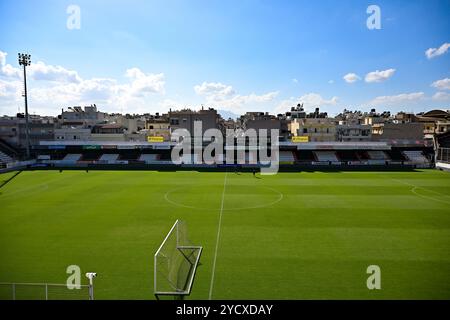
point(109, 158)
point(416, 157)
point(4, 158)
point(292, 156)
point(377, 155)
point(72, 158)
point(149, 158)
point(326, 156)
point(287, 157)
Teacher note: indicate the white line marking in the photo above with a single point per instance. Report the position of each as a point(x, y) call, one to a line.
point(218, 236)
point(167, 198)
point(414, 191)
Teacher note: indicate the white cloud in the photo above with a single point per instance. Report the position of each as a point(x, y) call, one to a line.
point(316, 100)
point(215, 90)
point(443, 84)
point(224, 97)
point(144, 83)
point(379, 76)
point(167, 104)
point(351, 77)
point(7, 70)
point(243, 103)
point(435, 52)
point(53, 87)
point(9, 89)
point(3, 58)
point(331, 82)
point(309, 100)
point(294, 80)
point(39, 71)
point(396, 99)
point(42, 71)
point(103, 90)
point(441, 96)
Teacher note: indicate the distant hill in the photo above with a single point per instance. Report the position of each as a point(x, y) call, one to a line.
point(228, 114)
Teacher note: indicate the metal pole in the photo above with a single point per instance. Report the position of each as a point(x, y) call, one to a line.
point(92, 291)
point(91, 288)
point(27, 135)
point(46, 291)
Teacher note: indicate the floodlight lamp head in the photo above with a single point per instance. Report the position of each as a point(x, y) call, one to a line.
point(24, 59)
point(91, 275)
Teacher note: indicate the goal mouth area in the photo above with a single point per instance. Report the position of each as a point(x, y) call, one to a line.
point(175, 263)
point(189, 280)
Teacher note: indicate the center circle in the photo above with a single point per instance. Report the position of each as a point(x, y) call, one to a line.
point(235, 198)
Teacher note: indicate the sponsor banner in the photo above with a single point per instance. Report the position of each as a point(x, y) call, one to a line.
point(92, 147)
point(162, 147)
point(56, 147)
point(109, 147)
point(144, 146)
point(230, 165)
point(155, 139)
point(300, 139)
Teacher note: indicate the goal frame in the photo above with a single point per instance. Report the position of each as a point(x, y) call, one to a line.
point(178, 295)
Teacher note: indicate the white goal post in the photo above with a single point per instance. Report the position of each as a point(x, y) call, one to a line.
point(175, 263)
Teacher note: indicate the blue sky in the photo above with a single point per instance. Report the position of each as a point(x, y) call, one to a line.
point(248, 55)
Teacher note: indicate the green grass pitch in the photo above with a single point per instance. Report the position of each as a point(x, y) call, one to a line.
point(288, 236)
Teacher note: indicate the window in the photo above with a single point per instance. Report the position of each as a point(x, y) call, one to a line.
point(305, 130)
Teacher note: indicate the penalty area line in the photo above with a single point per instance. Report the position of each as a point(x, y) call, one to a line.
point(218, 237)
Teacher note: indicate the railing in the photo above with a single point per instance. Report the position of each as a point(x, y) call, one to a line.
point(443, 155)
point(45, 291)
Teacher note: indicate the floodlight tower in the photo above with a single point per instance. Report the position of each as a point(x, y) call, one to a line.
point(25, 60)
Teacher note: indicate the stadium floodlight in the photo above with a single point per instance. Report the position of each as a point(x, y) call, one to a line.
point(25, 60)
point(175, 263)
point(91, 276)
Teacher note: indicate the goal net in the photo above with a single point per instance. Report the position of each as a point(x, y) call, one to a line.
point(175, 263)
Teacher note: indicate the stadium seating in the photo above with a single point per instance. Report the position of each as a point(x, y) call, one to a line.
point(377, 155)
point(326, 156)
point(347, 155)
point(416, 157)
point(396, 155)
point(72, 158)
point(305, 156)
point(4, 158)
point(109, 158)
point(149, 158)
point(286, 156)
